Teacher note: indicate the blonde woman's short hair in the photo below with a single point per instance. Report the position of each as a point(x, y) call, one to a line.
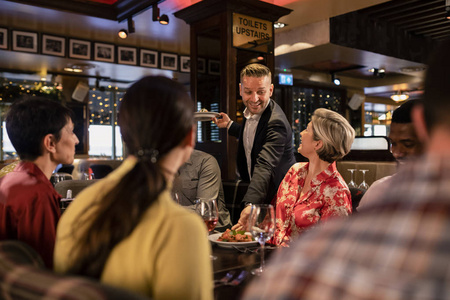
point(334, 131)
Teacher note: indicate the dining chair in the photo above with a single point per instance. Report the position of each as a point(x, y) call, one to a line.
point(76, 186)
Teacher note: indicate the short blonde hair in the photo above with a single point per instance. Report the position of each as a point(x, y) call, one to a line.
point(334, 131)
point(256, 70)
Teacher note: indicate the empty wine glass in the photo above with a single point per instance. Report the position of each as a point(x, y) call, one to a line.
point(208, 210)
point(352, 183)
point(363, 185)
point(177, 198)
point(262, 227)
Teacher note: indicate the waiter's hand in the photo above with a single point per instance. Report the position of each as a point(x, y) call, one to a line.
point(222, 122)
point(243, 220)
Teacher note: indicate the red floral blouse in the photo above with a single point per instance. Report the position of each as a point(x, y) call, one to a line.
point(329, 196)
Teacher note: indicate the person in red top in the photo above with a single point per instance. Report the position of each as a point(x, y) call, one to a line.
point(41, 132)
point(315, 191)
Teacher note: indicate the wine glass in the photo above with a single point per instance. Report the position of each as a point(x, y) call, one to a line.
point(208, 210)
point(262, 227)
point(363, 185)
point(352, 183)
point(177, 197)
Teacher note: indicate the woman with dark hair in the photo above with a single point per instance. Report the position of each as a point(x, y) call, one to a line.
point(41, 132)
point(126, 230)
point(315, 191)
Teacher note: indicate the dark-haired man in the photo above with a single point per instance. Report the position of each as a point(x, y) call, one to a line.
point(41, 132)
point(405, 145)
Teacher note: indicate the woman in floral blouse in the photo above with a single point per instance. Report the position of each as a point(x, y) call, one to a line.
point(315, 191)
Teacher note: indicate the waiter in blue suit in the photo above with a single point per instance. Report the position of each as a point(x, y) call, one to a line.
point(265, 150)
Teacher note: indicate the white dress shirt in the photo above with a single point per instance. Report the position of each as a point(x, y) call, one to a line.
point(249, 135)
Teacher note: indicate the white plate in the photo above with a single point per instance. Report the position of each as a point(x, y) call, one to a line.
point(205, 116)
point(213, 238)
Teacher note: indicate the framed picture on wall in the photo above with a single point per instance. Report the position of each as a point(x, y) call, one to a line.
point(79, 49)
point(185, 64)
point(201, 65)
point(149, 58)
point(3, 38)
point(127, 55)
point(213, 67)
point(53, 45)
point(169, 61)
point(104, 52)
point(25, 41)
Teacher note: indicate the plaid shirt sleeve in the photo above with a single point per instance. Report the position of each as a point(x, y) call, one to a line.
point(397, 249)
point(23, 276)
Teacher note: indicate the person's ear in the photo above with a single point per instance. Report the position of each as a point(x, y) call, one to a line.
point(240, 89)
point(49, 143)
point(418, 117)
point(318, 145)
point(189, 140)
point(271, 90)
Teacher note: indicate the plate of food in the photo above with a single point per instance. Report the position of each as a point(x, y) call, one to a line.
point(205, 115)
point(232, 239)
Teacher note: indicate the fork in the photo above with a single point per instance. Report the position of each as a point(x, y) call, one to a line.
point(235, 281)
point(224, 279)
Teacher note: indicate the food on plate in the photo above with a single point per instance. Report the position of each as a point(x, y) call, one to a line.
point(234, 236)
point(203, 110)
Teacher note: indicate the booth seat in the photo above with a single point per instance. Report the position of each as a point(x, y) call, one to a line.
point(23, 276)
point(376, 170)
point(81, 165)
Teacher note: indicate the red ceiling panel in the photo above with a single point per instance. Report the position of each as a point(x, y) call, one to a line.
point(105, 1)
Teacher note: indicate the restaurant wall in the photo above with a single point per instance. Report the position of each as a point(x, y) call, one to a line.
point(40, 19)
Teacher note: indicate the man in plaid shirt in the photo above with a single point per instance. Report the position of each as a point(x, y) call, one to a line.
point(396, 249)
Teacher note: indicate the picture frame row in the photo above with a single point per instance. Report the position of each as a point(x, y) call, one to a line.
point(48, 44)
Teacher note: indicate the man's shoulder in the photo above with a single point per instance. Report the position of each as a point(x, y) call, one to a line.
point(276, 112)
point(199, 158)
point(198, 154)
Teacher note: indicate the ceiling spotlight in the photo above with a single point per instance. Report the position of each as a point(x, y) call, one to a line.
point(400, 96)
point(381, 72)
point(335, 80)
point(164, 19)
point(123, 33)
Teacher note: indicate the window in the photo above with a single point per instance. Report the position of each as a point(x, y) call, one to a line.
point(8, 150)
point(305, 100)
point(207, 131)
point(103, 107)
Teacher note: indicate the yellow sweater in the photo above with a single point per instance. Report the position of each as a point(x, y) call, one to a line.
point(165, 257)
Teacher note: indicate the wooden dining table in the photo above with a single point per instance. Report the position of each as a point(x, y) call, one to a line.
point(235, 262)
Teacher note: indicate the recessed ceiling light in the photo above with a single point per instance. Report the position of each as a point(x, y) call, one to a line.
point(78, 68)
point(400, 96)
point(278, 25)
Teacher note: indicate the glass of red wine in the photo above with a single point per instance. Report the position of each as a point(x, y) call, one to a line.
point(207, 209)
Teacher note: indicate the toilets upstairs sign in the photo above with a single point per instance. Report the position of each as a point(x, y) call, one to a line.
point(252, 33)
